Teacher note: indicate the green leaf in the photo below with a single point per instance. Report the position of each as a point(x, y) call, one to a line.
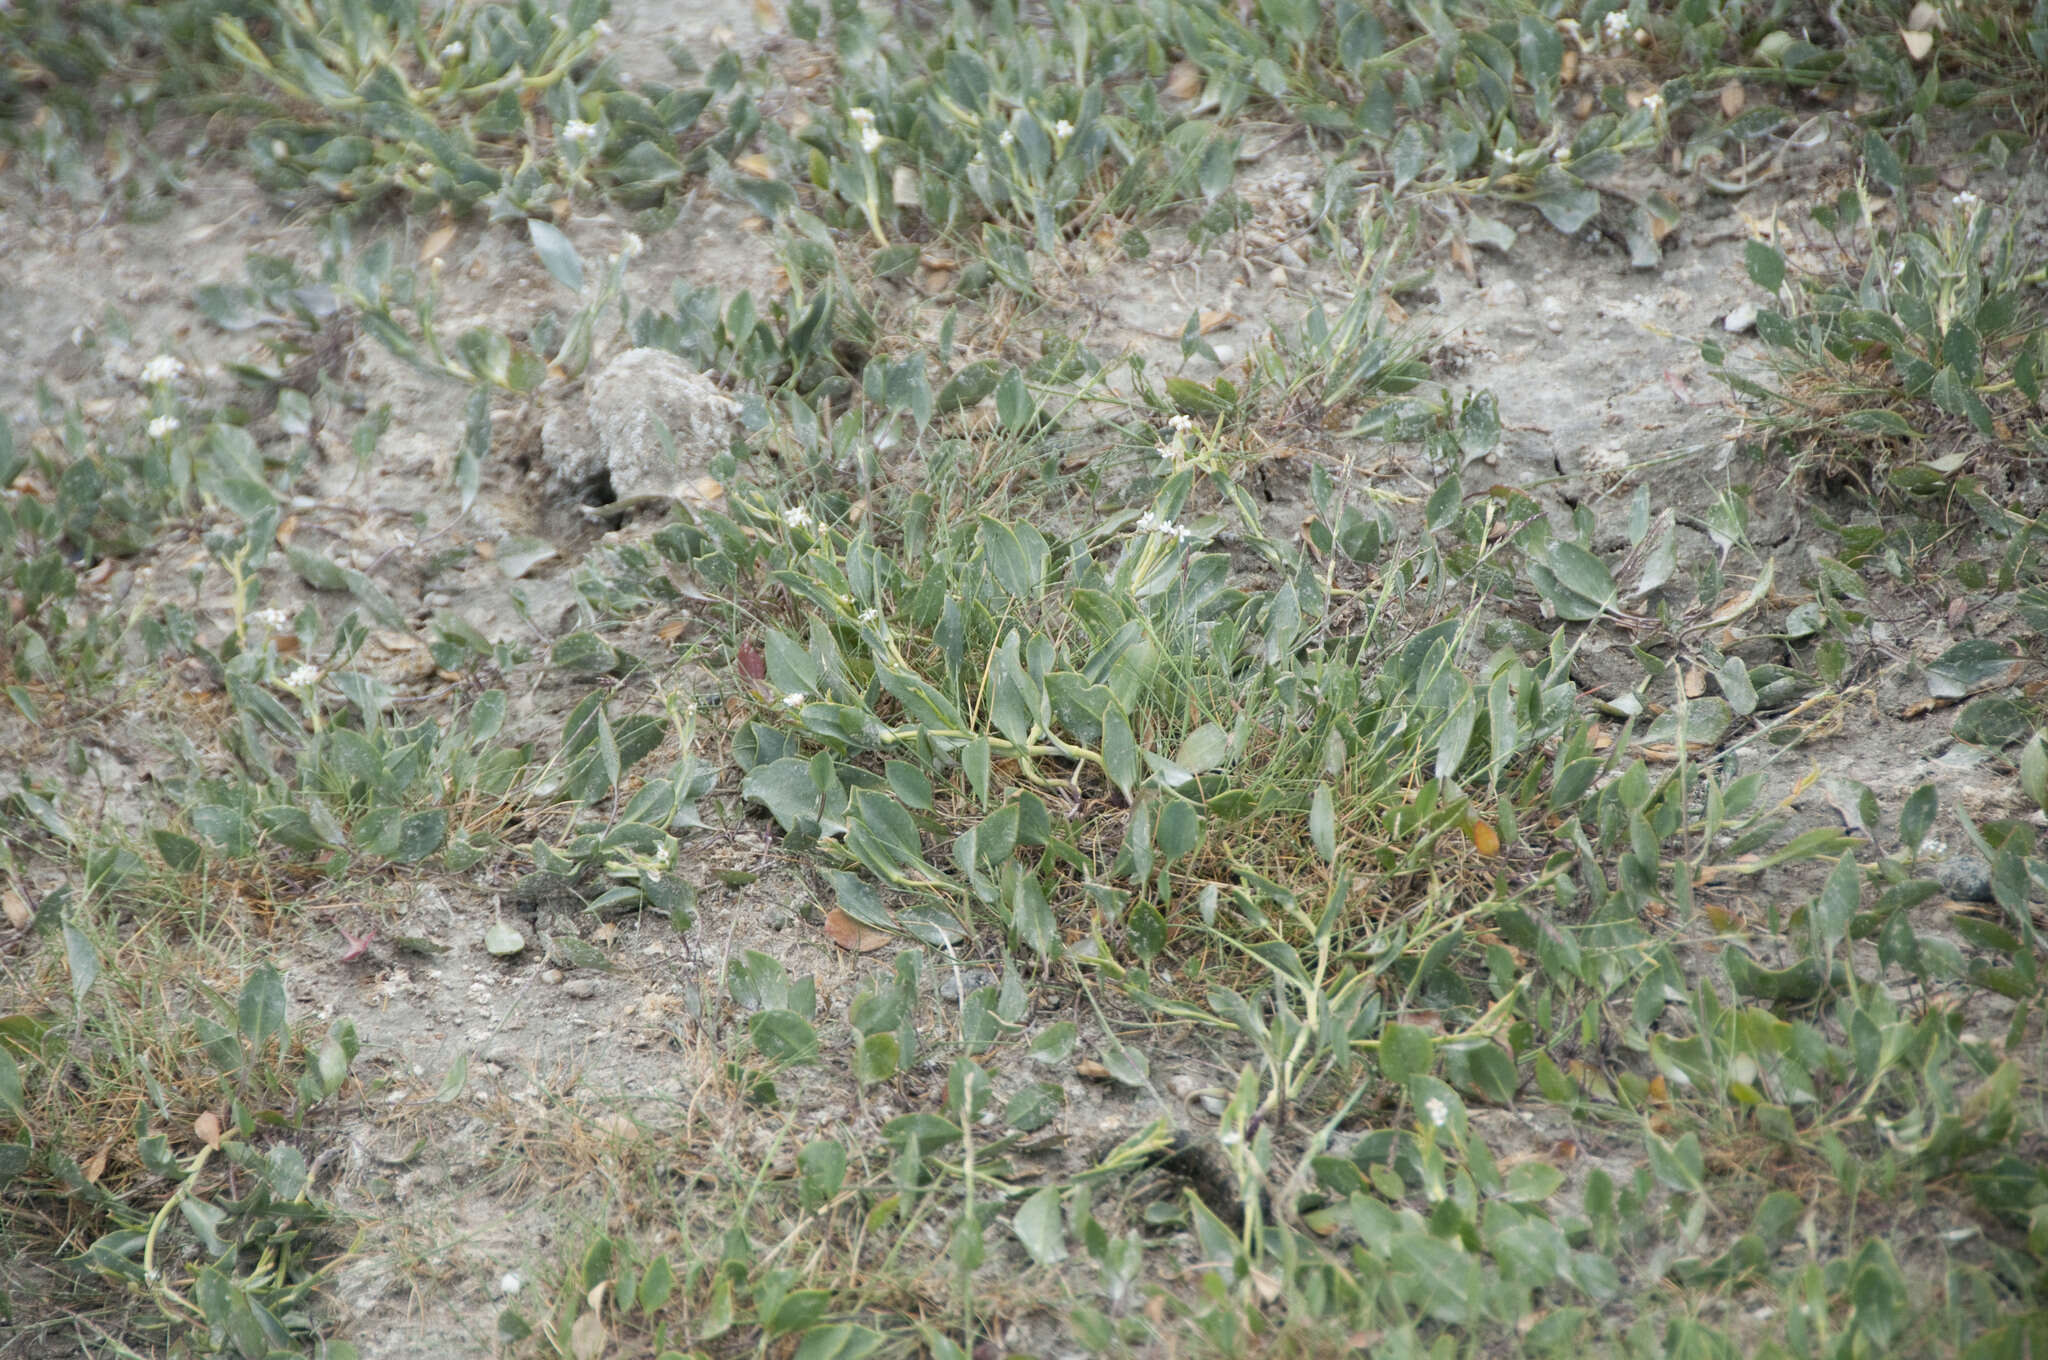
point(1916, 818)
point(1406, 1052)
point(1041, 1227)
point(1322, 824)
point(556, 253)
point(837, 1341)
point(503, 940)
point(877, 1058)
point(1836, 905)
point(11, 1099)
point(1883, 162)
point(1582, 573)
point(822, 1164)
point(784, 1036)
point(1119, 750)
point(1680, 1165)
point(260, 1014)
point(1765, 265)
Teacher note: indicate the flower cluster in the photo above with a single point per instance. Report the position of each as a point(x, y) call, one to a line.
point(864, 119)
point(1150, 523)
point(796, 517)
point(162, 427)
point(578, 131)
point(273, 619)
point(1614, 27)
point(304, 677)
point(454, 51)
point(162, 369)
point(1175, 448)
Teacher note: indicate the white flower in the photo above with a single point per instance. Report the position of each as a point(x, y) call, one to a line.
point(1652, 102)
point(278, 149)
point(1062, 130)
point(1168, 453)
point(793, 699)
point(576, 130)
point(162, 426)
point(1967, 200)
point(1149, 523)
point(870, 616)
point(1438, 1112)
point(1561, 155)
point(1615, 25)
point(633, 246)
point(870, 140)
point(1898, 266)
point(305, 677)
point(796, 517)
point(270, 618)
point(864, 116)
point(980, 159)
point(162, 369)
point(1182, 424)
point(426, 170)
point(1007, 140)
point(454, 51)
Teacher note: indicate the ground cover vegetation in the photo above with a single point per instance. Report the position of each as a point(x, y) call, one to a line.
point(1541, 1017)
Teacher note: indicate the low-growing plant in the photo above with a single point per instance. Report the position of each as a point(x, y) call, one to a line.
point(1937, 337)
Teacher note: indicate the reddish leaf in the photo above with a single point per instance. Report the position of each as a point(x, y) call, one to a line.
point(852, 936)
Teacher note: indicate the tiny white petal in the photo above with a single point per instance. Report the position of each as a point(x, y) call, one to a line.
point(453, 51)
point(576, 130)
point(794, 699)
point(870, 141)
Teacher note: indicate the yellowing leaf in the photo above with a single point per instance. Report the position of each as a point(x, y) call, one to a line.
point(755, 164)
point(207, 1129)
point(1484, 838)
point(1918, 42)
point(437, 243)
point(1184, 81)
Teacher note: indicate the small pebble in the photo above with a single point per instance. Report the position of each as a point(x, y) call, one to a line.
point(1277, 276)
point(1965, 878)
point(582, 988)
point(952, 983)
point(1554, 326)
point(552, 976)
point(1741, 317)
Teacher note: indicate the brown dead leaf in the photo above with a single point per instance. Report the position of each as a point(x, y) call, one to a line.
point(437, 242)
point(1721, 918)
point(1092, 1070)
point(1184, 81)
point(673, 629)
point(1568, 69)
point(586, 1334)
point(768, 15)
point(1695, 682)
point(1461, 256)
point(1733, 97)
point(18, 914)
point(1216, 321)
point(852, 936)
point(206, 1128)
point(95, 1167)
